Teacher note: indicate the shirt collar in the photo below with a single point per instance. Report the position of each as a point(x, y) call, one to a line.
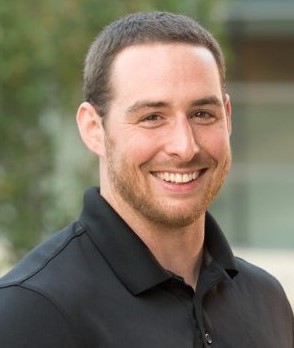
point(124, 251)
point(218, 247)
point(128, 256)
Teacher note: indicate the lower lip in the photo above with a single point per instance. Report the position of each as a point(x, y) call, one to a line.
point(181, 187)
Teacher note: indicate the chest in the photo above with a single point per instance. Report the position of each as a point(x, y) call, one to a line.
point(166, 319)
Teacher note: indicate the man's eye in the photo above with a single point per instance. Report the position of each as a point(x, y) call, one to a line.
point(152, 121)
point(203, 116)
point(152, 117)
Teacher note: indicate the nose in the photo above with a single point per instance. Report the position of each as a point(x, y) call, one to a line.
point(181, 142)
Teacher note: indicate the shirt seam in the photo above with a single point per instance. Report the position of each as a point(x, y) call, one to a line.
point(59, 309)
point(21, 279)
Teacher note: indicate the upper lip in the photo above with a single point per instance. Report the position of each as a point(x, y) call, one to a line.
point(178, 171)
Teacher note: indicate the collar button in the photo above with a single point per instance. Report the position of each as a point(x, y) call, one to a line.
point(208, 338)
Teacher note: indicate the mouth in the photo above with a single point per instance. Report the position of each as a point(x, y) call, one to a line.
point(178, 178)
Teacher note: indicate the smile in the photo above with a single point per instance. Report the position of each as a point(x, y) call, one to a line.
point(177, 178)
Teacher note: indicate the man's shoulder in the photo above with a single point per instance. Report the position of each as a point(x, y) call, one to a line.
point(254, 273)
point(41, 258)
point(55, 281)
point(258, 298)
point(28, 297)
point(259, 284)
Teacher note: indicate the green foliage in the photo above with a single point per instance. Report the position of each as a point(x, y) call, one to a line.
point(42, 47)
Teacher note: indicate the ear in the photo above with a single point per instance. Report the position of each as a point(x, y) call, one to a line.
point(228, 110)
point(91, 128)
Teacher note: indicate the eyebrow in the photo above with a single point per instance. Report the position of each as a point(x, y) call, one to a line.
point(146, 104)
point(211, 100)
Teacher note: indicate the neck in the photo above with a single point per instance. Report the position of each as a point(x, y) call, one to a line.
point(179, 251)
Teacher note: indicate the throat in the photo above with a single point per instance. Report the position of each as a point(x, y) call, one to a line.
point(180, 252)
point(188, 270)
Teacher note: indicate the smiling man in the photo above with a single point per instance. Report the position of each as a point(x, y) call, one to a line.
point(146, 265)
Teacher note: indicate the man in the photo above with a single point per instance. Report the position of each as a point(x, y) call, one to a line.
point(146, 265)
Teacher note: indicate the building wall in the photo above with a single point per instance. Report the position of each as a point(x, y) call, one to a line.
point(257, 205)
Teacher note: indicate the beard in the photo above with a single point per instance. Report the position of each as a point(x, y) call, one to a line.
point(137, 193)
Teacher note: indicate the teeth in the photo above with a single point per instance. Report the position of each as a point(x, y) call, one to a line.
point(178, 178)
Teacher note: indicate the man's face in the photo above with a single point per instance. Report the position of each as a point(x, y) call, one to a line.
point(166, 144)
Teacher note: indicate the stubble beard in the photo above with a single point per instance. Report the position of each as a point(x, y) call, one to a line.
point(126, 184)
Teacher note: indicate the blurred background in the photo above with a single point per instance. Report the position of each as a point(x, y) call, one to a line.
point(44, 168)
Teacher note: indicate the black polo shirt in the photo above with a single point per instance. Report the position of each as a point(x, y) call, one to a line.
point(96, 284)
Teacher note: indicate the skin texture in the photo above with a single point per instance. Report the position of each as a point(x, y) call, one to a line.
point(164, 147)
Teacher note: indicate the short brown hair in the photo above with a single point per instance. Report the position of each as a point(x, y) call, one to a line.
point(135, 29)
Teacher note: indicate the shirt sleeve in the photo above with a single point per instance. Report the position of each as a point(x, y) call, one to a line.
point(29, 320)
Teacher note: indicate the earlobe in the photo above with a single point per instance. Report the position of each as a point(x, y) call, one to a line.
point(91, 128)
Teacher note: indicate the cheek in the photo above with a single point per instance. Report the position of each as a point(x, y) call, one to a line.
point(216, 143)
point(141, 148)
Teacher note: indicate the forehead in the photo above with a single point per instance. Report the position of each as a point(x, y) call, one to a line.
point(155, 52)
point(164, 67)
